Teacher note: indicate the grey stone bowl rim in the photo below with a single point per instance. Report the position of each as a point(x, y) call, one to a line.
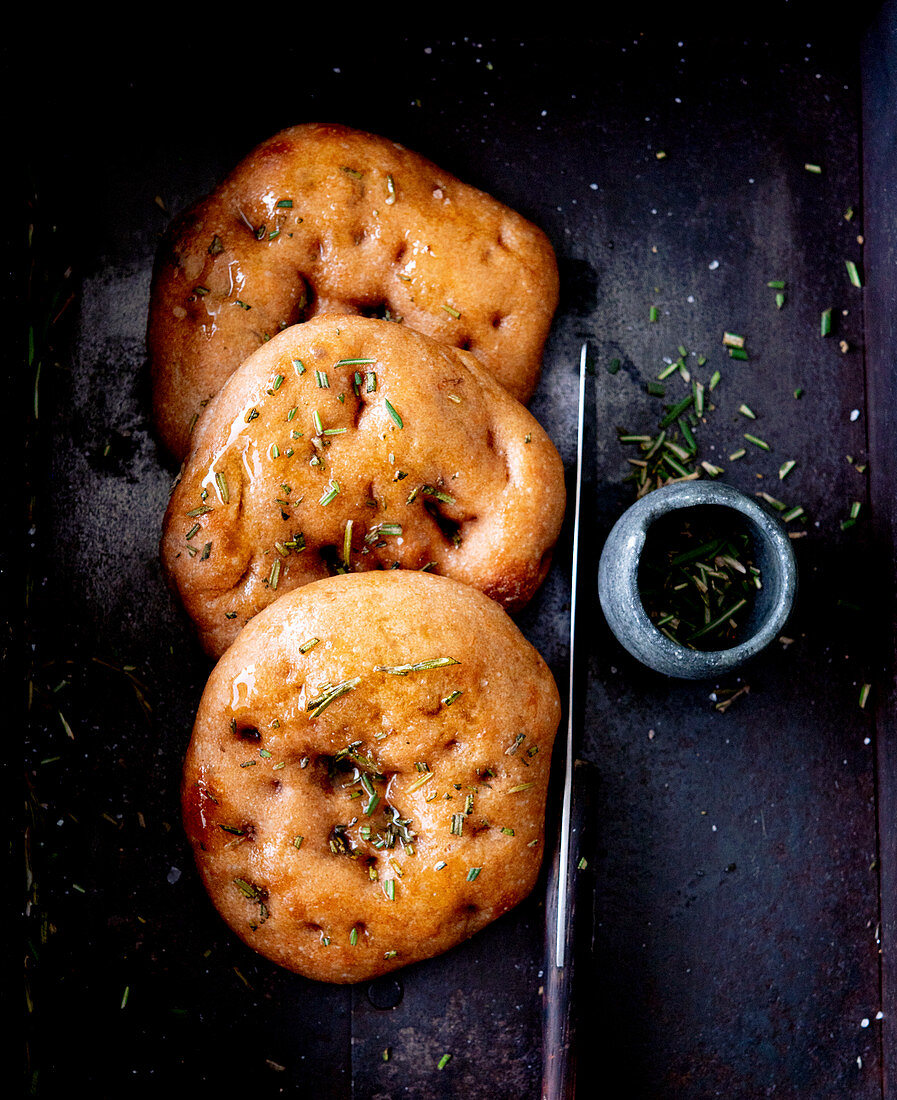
point(620, 599)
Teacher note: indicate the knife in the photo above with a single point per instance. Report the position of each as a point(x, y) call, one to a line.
point(564, 886)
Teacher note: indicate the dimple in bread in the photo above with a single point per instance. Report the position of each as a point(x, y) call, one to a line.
point(366, 780)
point(349, 444)
point(320, 219)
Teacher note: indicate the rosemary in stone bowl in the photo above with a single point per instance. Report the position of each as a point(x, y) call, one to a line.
point(697, 578)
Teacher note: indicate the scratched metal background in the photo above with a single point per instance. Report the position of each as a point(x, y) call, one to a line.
point(741, 938)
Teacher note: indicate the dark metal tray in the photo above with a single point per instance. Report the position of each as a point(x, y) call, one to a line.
point(741, 880)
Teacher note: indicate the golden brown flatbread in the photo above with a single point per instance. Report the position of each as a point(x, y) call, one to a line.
point(349, 444)
point(366, 781)
point(321, 219)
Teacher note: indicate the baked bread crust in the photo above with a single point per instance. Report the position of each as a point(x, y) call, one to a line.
point(348, 444)
point(366, 781)
point(321, 219)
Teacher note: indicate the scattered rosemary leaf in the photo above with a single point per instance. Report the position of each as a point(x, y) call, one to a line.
point(418, 783)
point(852, 273)
point(518, 741)
point(347, 543)
point(432, 491)
point(319, 704)
point(417, 666)
point(825, 322)
point(247, 889)
point(330, 493)
point(676, 410)
point(722, 705)
point(392, 412)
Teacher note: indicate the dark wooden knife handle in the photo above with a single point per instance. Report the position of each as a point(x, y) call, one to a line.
point(560, 998)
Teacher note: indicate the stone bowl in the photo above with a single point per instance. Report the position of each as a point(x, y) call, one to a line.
point(618, 579)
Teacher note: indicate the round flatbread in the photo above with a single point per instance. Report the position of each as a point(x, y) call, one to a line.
point(366, 781)
point(321, 219)
point(349, 444)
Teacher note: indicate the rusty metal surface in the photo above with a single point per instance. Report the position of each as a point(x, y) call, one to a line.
point(735, 875)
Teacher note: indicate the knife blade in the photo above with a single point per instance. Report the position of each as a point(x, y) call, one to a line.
point(559, 1002)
